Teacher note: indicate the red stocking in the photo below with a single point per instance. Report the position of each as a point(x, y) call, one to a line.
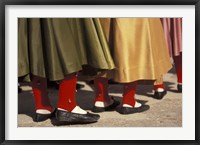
point(178, 65)
point(159, 86)
point(129, 93)
point(39, 86)
point(67, 93)
point(101, 87)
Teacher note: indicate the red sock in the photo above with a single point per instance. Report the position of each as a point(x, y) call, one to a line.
point(39, 86)
point(178, 65)
point(101, 87)
point(159, 86)
point(67, 93)
point(129, 93)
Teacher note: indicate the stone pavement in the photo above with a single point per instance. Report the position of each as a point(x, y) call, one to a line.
point(162, 113)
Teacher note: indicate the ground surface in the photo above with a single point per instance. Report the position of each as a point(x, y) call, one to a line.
point(162, 113)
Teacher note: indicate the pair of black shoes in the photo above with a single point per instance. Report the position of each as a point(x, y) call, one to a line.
point(64, 117)
point(120, 109)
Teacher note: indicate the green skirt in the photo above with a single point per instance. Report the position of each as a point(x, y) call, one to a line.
point(55, 47)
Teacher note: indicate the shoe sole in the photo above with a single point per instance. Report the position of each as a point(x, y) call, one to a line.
point(127, 110)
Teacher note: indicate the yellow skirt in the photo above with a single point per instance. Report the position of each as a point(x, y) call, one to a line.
point(138, 48)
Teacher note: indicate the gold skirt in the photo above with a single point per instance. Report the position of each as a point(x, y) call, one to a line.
point(138, 48)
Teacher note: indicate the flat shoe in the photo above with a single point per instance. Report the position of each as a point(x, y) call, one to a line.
point(129, 110)
point(19, 90)
point(65, 117)
point(159, 95)
point(179, 88)
point(79, 86)
point(96, 116)
point(111, 82)
point(108, 108)
point(42, 117)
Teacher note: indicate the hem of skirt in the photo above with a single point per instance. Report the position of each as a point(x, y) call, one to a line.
point(139, 76)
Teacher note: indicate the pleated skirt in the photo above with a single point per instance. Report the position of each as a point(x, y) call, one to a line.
point(55, 47)
point(173, 35)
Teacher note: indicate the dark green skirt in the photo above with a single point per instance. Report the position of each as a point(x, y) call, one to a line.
point(54, 47)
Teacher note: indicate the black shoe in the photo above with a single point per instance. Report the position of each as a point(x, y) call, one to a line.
point(96, 116)
point(19, 90)
point(159, 95)
point(128, 110)
point(91, 82)
point(79, 86)
point(42, 117)
point(179, 88)
point(111, 82)
point(65, 117)
point(108, 108)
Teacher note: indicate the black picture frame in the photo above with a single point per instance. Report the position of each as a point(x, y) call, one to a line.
point(4, 3)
